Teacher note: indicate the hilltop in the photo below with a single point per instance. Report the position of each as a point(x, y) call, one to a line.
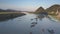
point(40, 9)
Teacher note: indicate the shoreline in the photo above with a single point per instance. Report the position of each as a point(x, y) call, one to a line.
point(53, 18)
point(7, 16)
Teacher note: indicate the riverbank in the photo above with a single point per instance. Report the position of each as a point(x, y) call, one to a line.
point(9, 15)
point(54, 18)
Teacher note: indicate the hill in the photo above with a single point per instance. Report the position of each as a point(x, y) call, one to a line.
point(53, 9)
point(40, 9)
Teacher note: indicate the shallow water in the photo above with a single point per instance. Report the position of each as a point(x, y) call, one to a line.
point(30, 24)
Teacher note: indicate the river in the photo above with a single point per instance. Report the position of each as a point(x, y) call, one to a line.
point(29, 24)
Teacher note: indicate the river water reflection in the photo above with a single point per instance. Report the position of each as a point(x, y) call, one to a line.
point(30, 24)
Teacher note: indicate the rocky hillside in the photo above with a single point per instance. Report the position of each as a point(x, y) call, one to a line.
point(53, 9)
point(40, 9)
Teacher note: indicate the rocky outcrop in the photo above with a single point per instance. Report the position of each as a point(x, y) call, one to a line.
point(40, 9)
point(53, 9)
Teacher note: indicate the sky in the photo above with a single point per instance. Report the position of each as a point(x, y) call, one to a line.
point(27, 5)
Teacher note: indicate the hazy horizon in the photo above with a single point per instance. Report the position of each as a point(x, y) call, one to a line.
point(27, 5)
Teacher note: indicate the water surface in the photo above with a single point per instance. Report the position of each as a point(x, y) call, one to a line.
point(30, 24)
